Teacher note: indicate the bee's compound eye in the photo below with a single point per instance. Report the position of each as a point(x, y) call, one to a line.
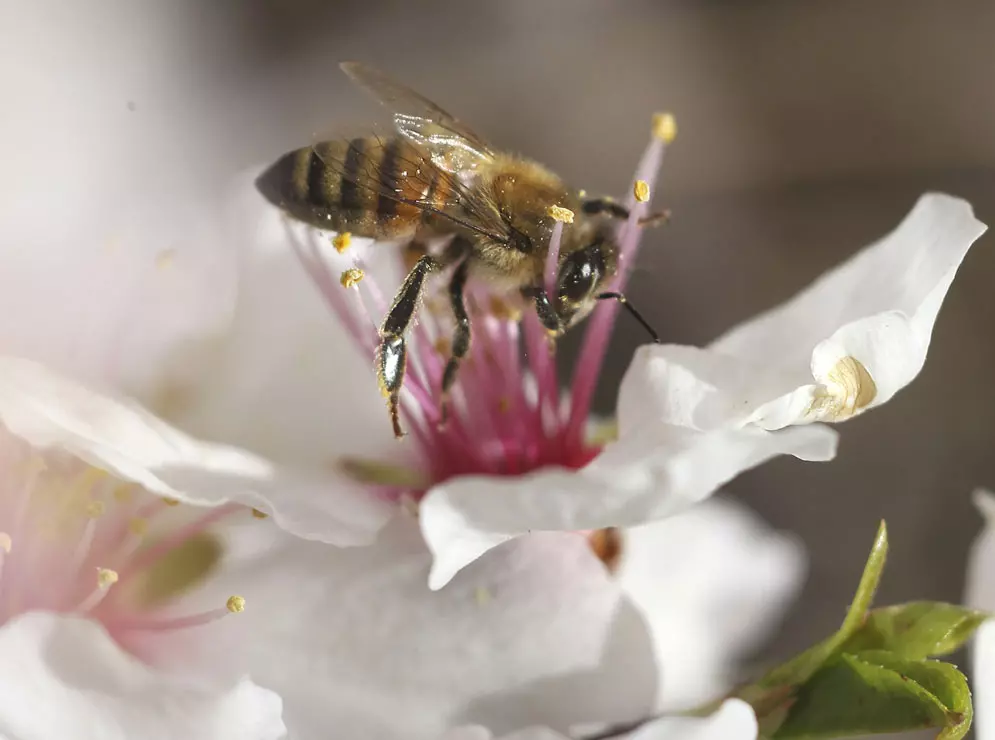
point(578, 276)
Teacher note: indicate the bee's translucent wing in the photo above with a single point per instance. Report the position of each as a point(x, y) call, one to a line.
point(449, 143)
point(395, 169)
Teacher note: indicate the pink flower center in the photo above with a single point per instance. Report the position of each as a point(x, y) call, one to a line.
point(509, 414)
point(76, 540)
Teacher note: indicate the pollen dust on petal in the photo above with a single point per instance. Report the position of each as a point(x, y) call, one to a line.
point(165, 259)
point(848, 389)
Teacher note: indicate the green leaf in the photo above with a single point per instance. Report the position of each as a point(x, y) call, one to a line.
point(921, 629)
point(877, 692)
point(797, 670)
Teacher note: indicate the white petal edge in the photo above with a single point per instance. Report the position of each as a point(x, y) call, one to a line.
point(983, 660)
point(63, 677)
point(878, 308)
point(654, 471)
point(734, 720)
point(51, 411)
point(711, 583)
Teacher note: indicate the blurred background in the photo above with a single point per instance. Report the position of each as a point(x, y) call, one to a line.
point(806, 131)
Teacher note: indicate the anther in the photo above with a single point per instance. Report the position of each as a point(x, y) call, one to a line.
point(351, 277)
point(342, 241)
point(95, 509)
point(641, 190)
point(257, 514)
point(170, 501)
point(235, 604)
point(664, 127)
point(106, 578)
point(563, 215)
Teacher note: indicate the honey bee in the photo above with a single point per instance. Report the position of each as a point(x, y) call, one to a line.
point(435, 177)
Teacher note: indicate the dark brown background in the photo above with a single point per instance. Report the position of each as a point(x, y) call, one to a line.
point(807, 129)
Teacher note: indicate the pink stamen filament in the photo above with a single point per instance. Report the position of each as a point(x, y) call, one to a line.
point(599, 327)
point(149, 624)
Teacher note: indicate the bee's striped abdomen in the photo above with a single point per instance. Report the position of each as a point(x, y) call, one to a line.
point(358, 185)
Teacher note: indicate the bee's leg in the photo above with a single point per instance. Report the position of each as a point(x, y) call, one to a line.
point(392, 352)
point(598, 206)
point(461, 334)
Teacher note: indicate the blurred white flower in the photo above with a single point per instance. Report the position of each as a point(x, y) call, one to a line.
point(734, 720)
point(980, 594)
point(537, 633)
point(93, 571)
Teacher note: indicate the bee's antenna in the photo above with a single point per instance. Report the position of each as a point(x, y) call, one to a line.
point(631, 309)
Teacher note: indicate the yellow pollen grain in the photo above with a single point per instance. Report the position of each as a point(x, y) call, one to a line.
point(257, 514)
point(235, 604)
point(342, 241)
point(351, 277)
point(641, 190)
point(664, 127)
point(95, 509)
point(6, 543)
point(123, 493)
point(581, 193)
point(138, 526)
point(563, 215)
point(169, 501)
point(106, 577)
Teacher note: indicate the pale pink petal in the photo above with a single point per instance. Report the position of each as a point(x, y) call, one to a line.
point(114, 269)
point(63, 677)
point(48, 410)
point(536, 633)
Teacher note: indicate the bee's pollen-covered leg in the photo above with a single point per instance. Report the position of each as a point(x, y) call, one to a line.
point(461, 334)
point(392, 352)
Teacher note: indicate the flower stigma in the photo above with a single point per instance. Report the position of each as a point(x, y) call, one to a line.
point(509, 413)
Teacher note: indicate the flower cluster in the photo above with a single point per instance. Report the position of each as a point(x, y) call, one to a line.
point(207, 529)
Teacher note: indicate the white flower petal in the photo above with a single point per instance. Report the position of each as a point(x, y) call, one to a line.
point(847, 343)
point(983, 686)
point(734, 720)
point(652, 472)
point(51, 411)
point(711, 583)
point(980, 586)
point(536, 634)
point(64, 677)
point(112, 265)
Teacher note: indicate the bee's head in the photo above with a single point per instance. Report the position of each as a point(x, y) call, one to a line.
point(581, 276)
